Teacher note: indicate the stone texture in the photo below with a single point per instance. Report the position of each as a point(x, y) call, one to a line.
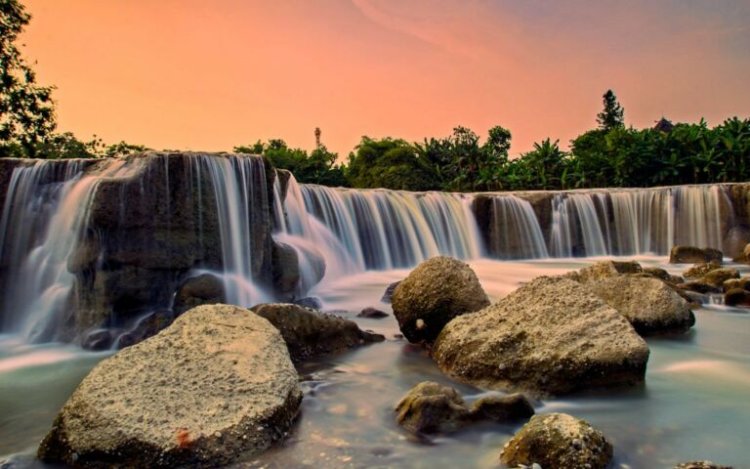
point(435, 292)
point(604, 269)
point(558, 441)
point(204, 289)
point(651, 306)
point(742, 283)
point(309, 333)
point(701, 269)
point(700, 465)
point(372, 313)
point(693, 255)
point(717, 277)
point(737, 297)
point(551, 336)
point(430, 407)
point(215, 386)
point(502, 408)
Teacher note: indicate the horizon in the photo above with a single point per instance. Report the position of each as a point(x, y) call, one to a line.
point(184, 75)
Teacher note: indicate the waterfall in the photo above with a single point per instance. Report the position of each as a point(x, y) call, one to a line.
point(239, 188)
point(636, 221)
point(44, 213)
point(515, 233)
point(383, 229)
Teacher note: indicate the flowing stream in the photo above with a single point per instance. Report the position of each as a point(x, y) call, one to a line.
point(693, 406)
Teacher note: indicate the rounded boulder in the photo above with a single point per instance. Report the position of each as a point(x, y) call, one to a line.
point(436, 291)
point(558, 440)
point(216, 385)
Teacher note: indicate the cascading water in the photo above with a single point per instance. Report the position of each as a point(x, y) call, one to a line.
point(383, 229)
point(237, 182)
point(41, 223)
point(637, 221)
point(515, 233)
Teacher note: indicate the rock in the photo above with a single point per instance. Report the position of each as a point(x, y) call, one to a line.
point(659, 273)
point(98, 339)
point(558, 441)
point(717, 277)
point(694, 298)
point(700, 465)
point(651, 306)
point(430, 407)
point(309, 333)
point(502, 408)
point(309, 302)
point(694, 255)
point(388, 293)
point(732, 283)
point(746, 253)
point(737, 297)
point(551, 336)
point(701, 269)
point(699, 287)
point(145, 327)
point(216, 385)
point(435, 292)
point(604, 269)
point(204, 289)
point(372, 313)
point(286, 273)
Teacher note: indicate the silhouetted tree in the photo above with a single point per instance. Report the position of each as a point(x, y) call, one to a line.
point(612, 115)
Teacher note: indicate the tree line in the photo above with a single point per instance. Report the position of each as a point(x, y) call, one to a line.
point(610, 155)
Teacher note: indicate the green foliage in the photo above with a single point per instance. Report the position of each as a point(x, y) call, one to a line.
point(26, 109)
point(612, 116)
point(319, 167)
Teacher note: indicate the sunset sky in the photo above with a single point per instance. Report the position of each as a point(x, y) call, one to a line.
point(209, 75)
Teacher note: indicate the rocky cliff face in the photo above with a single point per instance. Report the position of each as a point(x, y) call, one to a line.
point(147, 229)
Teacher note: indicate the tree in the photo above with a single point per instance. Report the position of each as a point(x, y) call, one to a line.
point(612, 115)
point(26, 109)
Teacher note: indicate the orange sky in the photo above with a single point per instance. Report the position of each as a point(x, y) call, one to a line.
point(209, 75)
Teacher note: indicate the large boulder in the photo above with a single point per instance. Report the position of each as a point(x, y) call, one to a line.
point(558, 441)
point(430, 407)
point(435, 292)
point(651, 306)
point(216, 385)
point(551, 336)
point(309, 333)
point(694, 255)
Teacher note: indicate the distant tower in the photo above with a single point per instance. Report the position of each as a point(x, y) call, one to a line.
point(318, 133)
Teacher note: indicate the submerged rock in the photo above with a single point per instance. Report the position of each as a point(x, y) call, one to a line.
point(430, 407)
point(649, 304)
point(309, 333)
point(694, 255)
point(98, 339)
point(435, 292)
point(372, 313)
point(502, 408)
point(216, 385)
point(737, 297)
point(700, 465)
point(551, 336)
point(558, 441)
point(388, 293)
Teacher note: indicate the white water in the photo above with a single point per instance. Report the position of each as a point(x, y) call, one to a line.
point(516, 233)
point(236, 183)
point(384, 230)
point(43, 238)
